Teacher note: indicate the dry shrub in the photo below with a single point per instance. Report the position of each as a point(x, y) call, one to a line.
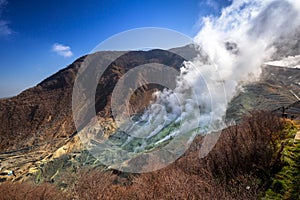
point(168, 183)
point(240, 166)
point(28, 191)
point(245, 157)
point(250, 147)
point(95, 184)
point(173, 183)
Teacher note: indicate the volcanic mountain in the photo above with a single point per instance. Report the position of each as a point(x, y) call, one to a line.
point(43, 113)
point(40, 118)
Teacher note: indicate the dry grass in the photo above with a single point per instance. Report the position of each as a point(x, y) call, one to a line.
point(240, 166)
point(26, 191)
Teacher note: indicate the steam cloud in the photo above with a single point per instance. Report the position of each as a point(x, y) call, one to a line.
point(239, 42)
point(235, 46)
point(232, 49)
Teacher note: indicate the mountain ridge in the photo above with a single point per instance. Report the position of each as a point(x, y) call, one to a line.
point(45, 111)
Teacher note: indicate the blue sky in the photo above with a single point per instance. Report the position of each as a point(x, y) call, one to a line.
point(39, 37)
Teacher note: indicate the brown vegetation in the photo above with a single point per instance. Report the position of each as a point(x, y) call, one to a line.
point(240, 166)
point(26, 191)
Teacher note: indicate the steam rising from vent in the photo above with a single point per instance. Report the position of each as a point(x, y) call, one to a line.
point(236, 45)
point(232, 49)
point(239, 41)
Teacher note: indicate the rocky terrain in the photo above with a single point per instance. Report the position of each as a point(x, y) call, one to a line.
point(279, 87)
point(38, 138)
point(44, 111)
point(37, 125)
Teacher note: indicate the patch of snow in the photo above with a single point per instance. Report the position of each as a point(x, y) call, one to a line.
point(290, 61)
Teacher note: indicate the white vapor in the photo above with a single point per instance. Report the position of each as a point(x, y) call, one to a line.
point(239, 41)
point(4, 28)
point(62, 50)
point(232, 49)
point(236, 45)
point(290, 61)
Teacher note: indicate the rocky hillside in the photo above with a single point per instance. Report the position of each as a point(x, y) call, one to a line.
point(278, 87)
point(45, 111)
point(37, 125)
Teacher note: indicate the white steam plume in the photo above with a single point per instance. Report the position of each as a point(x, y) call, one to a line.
point(236, 44)
point(241, 40)
point(233, 46)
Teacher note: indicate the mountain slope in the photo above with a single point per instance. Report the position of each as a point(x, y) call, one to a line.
point(37, 125)
point(45, 111)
